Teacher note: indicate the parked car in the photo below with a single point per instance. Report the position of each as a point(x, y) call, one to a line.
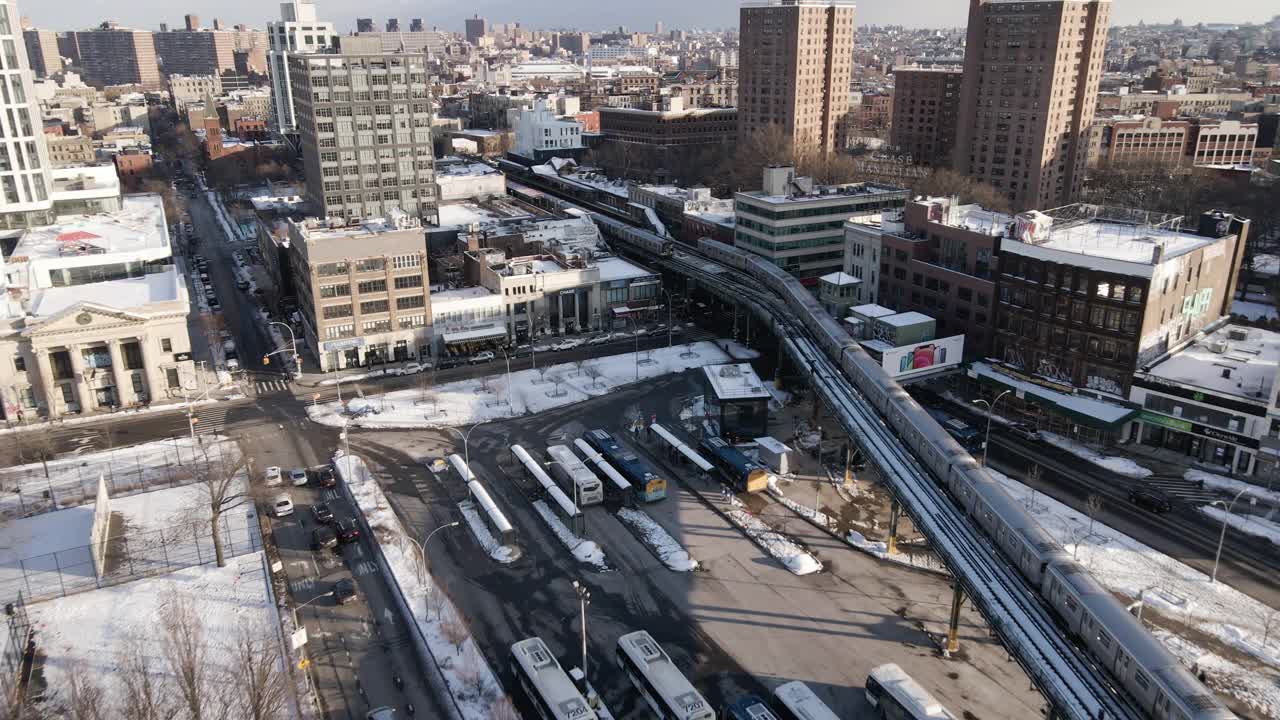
point(567, 344)
point(1150, 500)
point(298, 476)
point(344, 591)
point(381, 713)
point(325, 477)
point(322, 513)
point(1024, 431)
point(601, 339)
point(243, 284)
point(272, 476)
point(348, 531)
point(323, 538)
point(282, 505)
point(482, 357)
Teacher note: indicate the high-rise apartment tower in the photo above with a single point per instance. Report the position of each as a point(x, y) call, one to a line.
point(25, 185)
point(1031, 74)
point(794, 66)
point(296, 32)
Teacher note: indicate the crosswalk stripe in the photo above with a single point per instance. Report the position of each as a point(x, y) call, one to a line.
point(1182, 489)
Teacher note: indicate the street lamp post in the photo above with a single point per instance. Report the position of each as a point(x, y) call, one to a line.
point(669, 303)
point(466, 437)
point(507, 356)
point(296, 609)
point(422, 548)
point(991, 411)
point(1222, 536)
point(293, 342)
point(584, 599)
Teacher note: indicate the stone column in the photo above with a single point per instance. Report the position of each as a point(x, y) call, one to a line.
point(50, 391)
point(151, 365)
point(80, 378)
point(124, 386)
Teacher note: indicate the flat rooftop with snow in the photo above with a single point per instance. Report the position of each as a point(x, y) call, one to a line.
point(1231, 361)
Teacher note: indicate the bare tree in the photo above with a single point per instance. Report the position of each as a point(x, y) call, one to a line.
point(223, 490)
point(185, 651)
point(1033, 478)
point(484, 383)
point(578, 365)
point(455, 632)
point(472, 678)
point(36, 445)
point(257, 674)
point(144, 688)
point(1093, 505)
point(558, 379)
point(435, 601)
point(84, 696)
point(593, 372)
point(542, 373)
point(945, 182)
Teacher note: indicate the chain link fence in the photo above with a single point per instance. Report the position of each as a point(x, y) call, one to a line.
point(17, 637)
point(130, 556)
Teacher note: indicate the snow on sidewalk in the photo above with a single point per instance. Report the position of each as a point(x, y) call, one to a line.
point(499, 552)
point(460, 666)
point(1256, 526)
point(467, 402)
point(1233, 486)
point(1134, 569)
point(781, 547)
point(585, 551)
point(1117, 465)
point(1257, 691)
point(88, 634)
point(669, 550)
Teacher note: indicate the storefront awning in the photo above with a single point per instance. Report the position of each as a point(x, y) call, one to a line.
point(489, 333)
point(1084, 410)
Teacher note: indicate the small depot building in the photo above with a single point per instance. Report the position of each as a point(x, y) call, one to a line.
point(738, 399)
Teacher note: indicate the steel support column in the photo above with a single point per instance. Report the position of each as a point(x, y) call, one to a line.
point(895, 512)
point(953, 631)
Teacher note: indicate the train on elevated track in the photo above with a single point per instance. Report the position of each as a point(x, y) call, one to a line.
point(1155, 679)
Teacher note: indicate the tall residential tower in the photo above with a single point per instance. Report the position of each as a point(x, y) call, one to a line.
point(794, 67)
point(296, 32)
point(25, 182)
point(1031, 73)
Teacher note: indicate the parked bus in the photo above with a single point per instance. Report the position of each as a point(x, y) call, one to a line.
point(743, 474)
point(895, 696)
point(615, 486)
point(639, 473)
point(795, 701)
point(546, 684)
point(574, 477)
point(661, 684)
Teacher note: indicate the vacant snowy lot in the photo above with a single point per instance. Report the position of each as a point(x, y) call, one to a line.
point(528, 391)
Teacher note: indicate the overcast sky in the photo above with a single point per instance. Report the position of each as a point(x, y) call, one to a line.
point(582, 14)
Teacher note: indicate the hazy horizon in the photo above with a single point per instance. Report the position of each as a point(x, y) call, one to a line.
point(579, 14)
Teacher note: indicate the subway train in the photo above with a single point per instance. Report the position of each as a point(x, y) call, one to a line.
point(1116, 640)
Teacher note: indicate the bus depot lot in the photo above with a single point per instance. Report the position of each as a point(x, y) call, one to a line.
point(740, 624)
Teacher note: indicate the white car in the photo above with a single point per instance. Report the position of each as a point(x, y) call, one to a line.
point(273, 476)
point(600, 339)
point(282, 506)
point(568, 344)
point(298, 476)
point(482, 357)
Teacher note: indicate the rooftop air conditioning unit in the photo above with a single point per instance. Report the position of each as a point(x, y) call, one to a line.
point(1217, 347)
point(1239, 334)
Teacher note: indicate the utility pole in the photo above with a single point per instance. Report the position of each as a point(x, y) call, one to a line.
point(584, 599)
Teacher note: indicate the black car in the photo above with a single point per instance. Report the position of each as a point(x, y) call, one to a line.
point(326, 478)
point(344, 591)
point(348, 531)
point(322, 538)
point(322, 512)
point(1150, 500)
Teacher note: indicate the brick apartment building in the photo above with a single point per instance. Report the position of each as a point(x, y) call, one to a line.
point(926, 104)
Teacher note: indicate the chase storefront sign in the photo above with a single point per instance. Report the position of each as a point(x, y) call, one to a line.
point(1206, 431)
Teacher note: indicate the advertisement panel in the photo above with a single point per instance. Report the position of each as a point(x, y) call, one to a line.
point(923, 357)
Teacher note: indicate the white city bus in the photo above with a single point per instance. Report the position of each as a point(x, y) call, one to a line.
point(545, 683)
point(795, 701)
point(574, 477)
point(895, 696)
point(659, 681)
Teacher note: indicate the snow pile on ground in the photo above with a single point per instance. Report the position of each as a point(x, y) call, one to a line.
point(99, 636)
point(423, 596)
point(780, 397)
point(697, 408)
point(785, 550)
point(1257, 691)
point(1232, 486)
point(669, 550)
point(1256, 526)
point(466, 402)
point(73, 479)
point(1131, 568)
point(1117, 465)
point(480, 529)
point(224, 221)
point(585, 551)
point(409, 369)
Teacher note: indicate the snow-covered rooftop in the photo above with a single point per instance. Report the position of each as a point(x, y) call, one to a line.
point(1114, 241)
point(737, 381)
point(613, 268)
point(1232, 360)
point(826, 193)
point(129, 294)
point(873, 311)
point(462, 215)
point(905, 319)
point(840, 278)
point(137, 227)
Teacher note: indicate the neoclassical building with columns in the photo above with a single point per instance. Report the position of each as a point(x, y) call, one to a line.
point(94, 317)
